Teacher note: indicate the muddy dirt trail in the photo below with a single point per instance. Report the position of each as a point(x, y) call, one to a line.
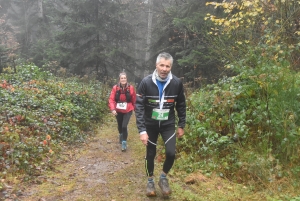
point(97, 170)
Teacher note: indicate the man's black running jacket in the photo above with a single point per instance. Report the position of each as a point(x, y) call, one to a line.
point(146, 101)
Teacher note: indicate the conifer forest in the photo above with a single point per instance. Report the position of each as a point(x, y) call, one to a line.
point(239, 61)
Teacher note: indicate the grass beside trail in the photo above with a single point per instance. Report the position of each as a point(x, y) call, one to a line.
point(98, 170)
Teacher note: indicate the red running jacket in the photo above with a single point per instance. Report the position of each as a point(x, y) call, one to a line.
point(112, 103)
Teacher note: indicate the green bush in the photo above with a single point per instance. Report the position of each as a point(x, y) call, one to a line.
point(40, 112)
point(246, 126)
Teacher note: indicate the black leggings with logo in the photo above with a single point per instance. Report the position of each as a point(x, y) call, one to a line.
point(123, 120)
point(168, 135)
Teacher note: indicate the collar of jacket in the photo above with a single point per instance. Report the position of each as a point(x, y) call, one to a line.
point(170, 76)
point(120, 86)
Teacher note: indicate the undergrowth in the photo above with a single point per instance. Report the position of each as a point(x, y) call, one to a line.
point(246, 128)
point(40, 113)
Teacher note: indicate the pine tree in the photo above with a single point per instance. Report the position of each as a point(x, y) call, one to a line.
point(8, 43)
point(182, 31)
point(95, 36)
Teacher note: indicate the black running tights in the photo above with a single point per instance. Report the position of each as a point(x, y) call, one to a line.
point(168, 135)
point(123, 120)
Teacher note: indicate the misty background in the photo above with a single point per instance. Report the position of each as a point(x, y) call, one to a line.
point(102, 38)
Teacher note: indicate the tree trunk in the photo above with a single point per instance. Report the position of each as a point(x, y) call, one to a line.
point(149, 31)
point(40, 7)
point(97, 39)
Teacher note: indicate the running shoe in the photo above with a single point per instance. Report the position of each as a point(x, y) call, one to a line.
point(124, 146)
point(150, 189)
point(164, 186)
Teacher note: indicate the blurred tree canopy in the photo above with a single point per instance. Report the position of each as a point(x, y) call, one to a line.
point(182, 31)
point(82, 36)
point(105, 37)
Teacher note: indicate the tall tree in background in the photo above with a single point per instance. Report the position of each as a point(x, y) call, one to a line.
point(137, 15)
point(26, 17)
point(95, 36)
point(155, 11)
point(45, 50)
point(149, 30)
point(83, 36)
point(2, 37)
point(33, 28)
point(8, 43)
point(40, 9)
point(182, 31)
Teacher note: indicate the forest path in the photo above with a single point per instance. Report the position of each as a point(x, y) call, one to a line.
point(97, 170)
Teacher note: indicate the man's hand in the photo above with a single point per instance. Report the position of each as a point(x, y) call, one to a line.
point(180, 132)
point(144, 138)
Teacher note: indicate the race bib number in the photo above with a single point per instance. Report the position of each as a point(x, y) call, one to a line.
point(160, 114)
point(122, 106)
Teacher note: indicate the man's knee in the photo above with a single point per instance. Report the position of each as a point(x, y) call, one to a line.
point(151, 154)
point(150, 157)
point(170, 153)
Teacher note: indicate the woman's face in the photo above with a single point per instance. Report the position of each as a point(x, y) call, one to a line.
point(123, 79)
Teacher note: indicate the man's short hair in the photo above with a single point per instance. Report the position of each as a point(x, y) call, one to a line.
point(166, 56)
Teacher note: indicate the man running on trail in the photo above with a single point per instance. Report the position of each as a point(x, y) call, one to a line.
point(157, 96)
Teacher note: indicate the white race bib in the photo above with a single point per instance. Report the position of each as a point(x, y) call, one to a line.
point(160, 114)
point(122, 106)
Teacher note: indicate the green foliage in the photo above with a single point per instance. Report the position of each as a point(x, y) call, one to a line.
point(46, 51)
point(247, 126)
point(40, 113)
point(182, 31)
point(244, 24)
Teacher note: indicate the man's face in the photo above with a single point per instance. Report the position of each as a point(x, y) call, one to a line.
point(163, 68)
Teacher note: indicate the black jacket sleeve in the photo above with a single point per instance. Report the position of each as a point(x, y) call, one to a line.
point(181, 107)
point(140, 107)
